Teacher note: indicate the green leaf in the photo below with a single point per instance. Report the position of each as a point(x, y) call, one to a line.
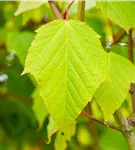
point(111, 94)
point(35, 15)
point(62, 138)
point(39, 108)
point(28, 5)
point(68, 63)
point(119, 12)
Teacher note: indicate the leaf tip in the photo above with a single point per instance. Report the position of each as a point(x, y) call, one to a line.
point(24, 72)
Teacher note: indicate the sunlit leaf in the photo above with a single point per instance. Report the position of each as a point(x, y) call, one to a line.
point(68, 63)
point(111, 94)
point(119, 12)
point(28, 5)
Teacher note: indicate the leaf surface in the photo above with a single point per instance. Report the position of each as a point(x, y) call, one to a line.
point(111, 94)
point(119, 12)
point(28, 5)
point(68, 63)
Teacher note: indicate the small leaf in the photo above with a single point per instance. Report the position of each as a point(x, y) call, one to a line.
point(68, 63)
point(111, 94)
point(119, 12)
point(63, 137)
point(28, 5)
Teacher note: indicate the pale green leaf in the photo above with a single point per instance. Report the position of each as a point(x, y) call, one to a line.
point(120, 13)
point(28, 5)
point(68, 63)
point(39, 108)
point(35, 15)
point(62, 138)
point(111, 94)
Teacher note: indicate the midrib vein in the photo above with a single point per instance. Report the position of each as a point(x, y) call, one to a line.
point(67, 36)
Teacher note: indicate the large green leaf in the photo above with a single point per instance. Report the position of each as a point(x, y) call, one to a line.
point(28, 5)
point(68, 63)
point(119, 12)
point(111, 94)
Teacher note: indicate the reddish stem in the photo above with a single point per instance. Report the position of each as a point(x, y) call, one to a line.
point(67, 10)
point(103, 123)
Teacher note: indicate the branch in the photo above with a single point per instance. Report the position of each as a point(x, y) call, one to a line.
point(130, 46)
point(7, 95)
point(81, 10)
point(55, 10)
point(130, 57)
point(127, 129)
point(118, 36)
point(103, 123)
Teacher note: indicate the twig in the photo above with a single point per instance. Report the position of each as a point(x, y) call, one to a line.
point(67, 10)
point(130, 57)
point(130, 46)
point(55, 10)
point(81, 10)
point(118, 36)
point(8, 95)
point(103, 123)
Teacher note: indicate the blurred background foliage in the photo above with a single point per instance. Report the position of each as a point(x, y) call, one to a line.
point(24, 121)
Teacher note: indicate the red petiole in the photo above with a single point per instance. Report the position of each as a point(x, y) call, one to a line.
point(67, 10)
